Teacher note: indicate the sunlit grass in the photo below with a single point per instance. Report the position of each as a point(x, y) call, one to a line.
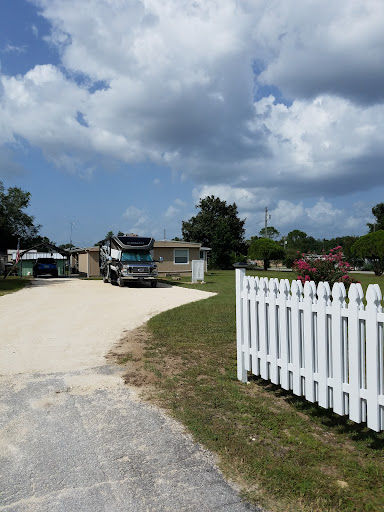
point(286, 453)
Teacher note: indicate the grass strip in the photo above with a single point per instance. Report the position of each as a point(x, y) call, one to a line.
point(12, 284)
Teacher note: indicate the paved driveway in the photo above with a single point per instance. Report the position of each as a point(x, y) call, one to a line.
point(73, 437)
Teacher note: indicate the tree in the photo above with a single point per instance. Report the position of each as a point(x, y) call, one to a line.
point(300, 241)
point(296, 239)
point(110, 234)
point(265, 249)
point(217, 226)
point(346, 243)
point(14, 222)
point(270, 232)
point(371, 247)
point(378, 212)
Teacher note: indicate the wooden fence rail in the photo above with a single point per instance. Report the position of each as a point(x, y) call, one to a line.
point(325, 345)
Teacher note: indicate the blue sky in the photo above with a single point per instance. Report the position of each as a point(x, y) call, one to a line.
point(121, 115)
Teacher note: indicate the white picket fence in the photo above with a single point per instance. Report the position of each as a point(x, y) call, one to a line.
point(314, 342)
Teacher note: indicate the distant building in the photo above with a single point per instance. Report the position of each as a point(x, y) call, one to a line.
point(177, 258)
point(25, 265)
point(178, 255)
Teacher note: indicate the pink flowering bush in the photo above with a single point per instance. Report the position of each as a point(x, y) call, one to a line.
point(329, 267)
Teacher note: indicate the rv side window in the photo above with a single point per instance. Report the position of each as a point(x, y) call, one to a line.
point(181, 255)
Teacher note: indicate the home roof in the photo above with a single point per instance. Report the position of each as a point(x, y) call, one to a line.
point(175, 243)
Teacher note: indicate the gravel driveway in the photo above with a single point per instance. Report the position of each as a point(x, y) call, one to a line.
point(73, 437)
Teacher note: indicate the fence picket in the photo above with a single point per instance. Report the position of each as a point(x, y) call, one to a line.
point(263, 327)
point(296, 341)
point(337, 349)
point(283, 321)
point(309, 342)
point(241, 372)
point(273, 330)
point(372, 351)
point(322, 343)
point(246, 326)
point(354, 347)
point(254, 334)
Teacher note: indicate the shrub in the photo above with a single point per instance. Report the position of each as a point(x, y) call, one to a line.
point(290, 258)
point(329, 267)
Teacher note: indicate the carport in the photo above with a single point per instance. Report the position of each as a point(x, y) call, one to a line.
point(23, 266)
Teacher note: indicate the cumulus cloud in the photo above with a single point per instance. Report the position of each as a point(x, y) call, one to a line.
point(188, 86)
point(175, 209)
point(137, 219)
point(315, 48)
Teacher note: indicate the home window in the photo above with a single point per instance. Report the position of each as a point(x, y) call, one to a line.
point(181, 256)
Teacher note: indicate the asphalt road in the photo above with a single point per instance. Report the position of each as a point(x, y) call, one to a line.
point(74, 437)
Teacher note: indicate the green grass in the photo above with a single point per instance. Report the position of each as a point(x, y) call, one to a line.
point(285, 453)
point(12, 284)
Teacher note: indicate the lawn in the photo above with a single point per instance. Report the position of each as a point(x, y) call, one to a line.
point(12, 284)
point(283, 452)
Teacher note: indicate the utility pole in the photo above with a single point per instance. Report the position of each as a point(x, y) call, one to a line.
point(70, 238)
point(165, 234)
point(267, 218)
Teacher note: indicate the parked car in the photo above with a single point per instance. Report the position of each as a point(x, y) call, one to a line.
point(45, 266)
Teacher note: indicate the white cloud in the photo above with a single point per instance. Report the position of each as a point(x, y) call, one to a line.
point(35, 30)
point(318, 47)
point(138, 220)
point(10, 48)
point(171, 211)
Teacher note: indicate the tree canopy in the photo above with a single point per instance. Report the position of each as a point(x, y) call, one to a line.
point(270, 232)
point(14, 221)
point(265, 249)
point(378, 212)
point(218, 226)
point(371, 247)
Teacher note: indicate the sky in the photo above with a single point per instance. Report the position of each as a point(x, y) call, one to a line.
point(122, 114)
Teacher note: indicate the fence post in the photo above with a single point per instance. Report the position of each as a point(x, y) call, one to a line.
point(241, 371)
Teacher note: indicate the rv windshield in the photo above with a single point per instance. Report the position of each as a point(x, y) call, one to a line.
point(135, 256)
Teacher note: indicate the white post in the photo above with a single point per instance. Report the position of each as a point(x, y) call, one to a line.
point(241, 371)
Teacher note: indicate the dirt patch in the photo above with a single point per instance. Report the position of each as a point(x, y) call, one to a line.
point(129, 353)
